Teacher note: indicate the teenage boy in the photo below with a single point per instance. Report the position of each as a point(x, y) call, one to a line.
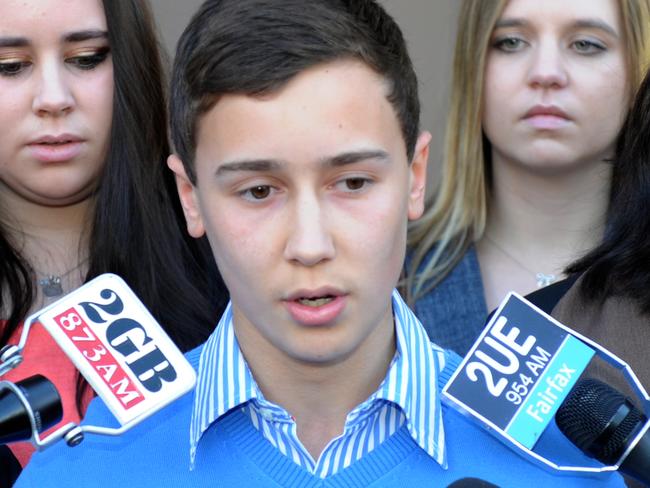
point(299, 155)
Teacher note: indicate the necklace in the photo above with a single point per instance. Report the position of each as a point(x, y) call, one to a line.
point(52, 285)
point(542, 279)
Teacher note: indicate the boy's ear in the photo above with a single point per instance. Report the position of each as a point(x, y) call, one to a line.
point(418, 176)
point(187, 192)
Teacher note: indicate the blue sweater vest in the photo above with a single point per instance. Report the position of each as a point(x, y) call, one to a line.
point(233, 453)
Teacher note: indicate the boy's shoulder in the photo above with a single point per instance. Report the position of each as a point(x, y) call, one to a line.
point(475, 453)
point(157, 452)
point(162, 439)
point(479, 454)
point(194, 356)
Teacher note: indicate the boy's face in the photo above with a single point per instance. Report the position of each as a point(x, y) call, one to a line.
point(305, 195)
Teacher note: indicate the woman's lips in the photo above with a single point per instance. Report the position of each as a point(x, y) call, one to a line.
point(546, 118)
point(547, 122)
point(56, 153)
point(56, 149)
point(317, 310)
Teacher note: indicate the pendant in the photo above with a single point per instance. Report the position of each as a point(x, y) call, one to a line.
point(51, 286)
point(544, 279)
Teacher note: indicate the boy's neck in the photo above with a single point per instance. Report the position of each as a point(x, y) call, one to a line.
point(320, 396)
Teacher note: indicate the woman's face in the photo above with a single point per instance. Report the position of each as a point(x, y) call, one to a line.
point(56, 99)
point(556, 86)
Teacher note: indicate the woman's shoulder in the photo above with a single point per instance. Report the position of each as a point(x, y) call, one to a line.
point(466, 272)
point(453, 311)
point(548, 297)
point(617, 323)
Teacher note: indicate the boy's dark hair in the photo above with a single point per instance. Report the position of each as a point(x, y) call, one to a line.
point(254, 47)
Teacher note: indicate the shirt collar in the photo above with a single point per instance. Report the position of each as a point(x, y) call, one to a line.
point(412, 382)
point(225, 381)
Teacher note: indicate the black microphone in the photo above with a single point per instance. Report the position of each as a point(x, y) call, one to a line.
point(602, 423)
point(44, 400)
point(9, 468)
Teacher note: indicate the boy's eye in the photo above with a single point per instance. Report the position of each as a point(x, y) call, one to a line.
point(353, 184)
point(255, 193)
point(12, 68)
point(260, 192)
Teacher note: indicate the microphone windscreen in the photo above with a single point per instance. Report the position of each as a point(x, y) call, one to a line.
point(599, 420)
point(472, 483)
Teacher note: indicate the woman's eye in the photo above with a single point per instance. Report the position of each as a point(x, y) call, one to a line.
point(584, 46)
point(12, 68)
point(88, 61)
point(509, 44)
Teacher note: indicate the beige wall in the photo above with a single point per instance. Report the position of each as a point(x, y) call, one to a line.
point(429, 27)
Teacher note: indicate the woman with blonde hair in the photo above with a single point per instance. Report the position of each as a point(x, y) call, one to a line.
point(540, 92)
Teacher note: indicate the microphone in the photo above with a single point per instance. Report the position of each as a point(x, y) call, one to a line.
point(9, 467)
point(119, 348)
point(44, 400)
point(602, 423)
point(472, 483)
point(517, 375)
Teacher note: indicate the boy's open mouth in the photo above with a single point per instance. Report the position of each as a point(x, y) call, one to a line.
point(316, 306)
point(315, 301)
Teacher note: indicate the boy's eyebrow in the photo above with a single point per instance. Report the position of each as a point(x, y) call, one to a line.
point(356, 156)
point(249, 165)
point(579, 23)
point(77, 36)
point(342, 159)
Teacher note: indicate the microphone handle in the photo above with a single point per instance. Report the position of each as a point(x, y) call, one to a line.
point(637, 463)
point(9, 467)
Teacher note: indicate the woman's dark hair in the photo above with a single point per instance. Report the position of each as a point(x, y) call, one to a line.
point(620, 265)
point(137, 227)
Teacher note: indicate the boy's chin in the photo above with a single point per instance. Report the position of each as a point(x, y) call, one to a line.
point(321, 356)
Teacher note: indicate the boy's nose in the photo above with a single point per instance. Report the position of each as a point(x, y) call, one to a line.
point(309, 240)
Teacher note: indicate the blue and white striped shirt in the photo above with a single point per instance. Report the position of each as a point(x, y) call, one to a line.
point(408, 394)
